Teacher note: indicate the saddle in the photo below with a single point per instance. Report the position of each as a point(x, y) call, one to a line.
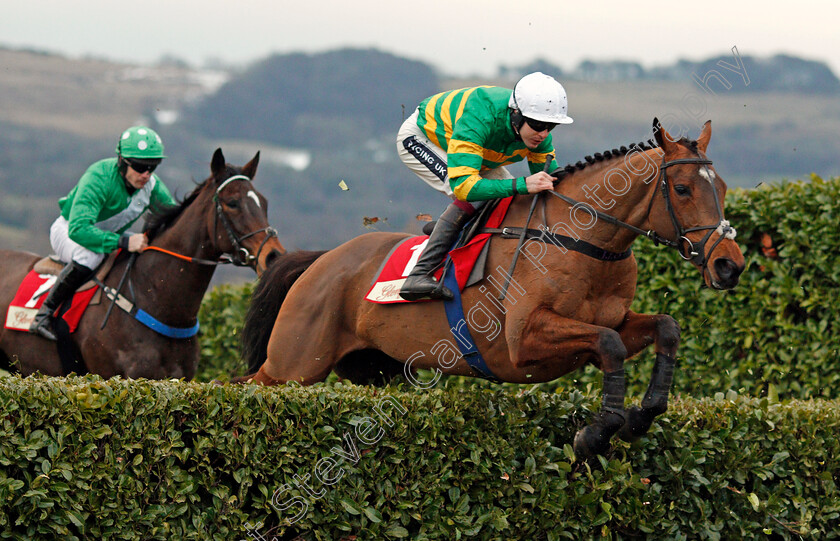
point(466, 259)
point(53, 266)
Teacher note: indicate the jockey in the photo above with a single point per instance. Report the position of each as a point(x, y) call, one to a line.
point(459, 141)
point(96, 214)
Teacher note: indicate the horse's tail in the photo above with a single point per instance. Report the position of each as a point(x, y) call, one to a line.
point(268, 296)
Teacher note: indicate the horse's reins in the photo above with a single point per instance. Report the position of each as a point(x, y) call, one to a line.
point(697, 257)
point(119, 287)
point(537, 197)
point(176, 255)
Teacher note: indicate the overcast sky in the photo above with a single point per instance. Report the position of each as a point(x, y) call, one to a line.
point(460, 37)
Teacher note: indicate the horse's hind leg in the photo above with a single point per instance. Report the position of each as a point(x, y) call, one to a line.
point(307, 377)
point(637, 332)
point(260, 378)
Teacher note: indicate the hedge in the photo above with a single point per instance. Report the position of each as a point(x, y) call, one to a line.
point(221, 316)
point(776, 332)
point(86, 458)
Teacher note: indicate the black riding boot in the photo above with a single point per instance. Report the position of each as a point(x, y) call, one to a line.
point(421, 284)
point(71, 277)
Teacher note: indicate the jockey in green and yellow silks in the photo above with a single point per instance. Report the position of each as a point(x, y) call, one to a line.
point(459, 143)
point(473, 127)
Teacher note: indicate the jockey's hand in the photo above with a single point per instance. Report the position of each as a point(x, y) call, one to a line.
point(539, 182)
point(137, 242)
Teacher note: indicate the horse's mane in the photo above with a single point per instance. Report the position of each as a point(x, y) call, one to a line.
point(161, 217)
point(570, 168)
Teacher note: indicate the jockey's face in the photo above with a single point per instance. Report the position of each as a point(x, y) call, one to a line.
point(531, 137)
point(134, 179)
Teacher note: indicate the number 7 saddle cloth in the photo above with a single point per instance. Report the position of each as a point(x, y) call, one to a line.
point(31, 295)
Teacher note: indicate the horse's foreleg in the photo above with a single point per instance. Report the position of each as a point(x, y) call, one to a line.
point(551, 339)
point(637, 332)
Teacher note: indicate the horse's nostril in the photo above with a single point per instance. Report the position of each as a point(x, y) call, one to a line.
point(726, 269)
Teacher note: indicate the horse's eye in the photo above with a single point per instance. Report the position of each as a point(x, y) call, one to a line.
point(233, 203)
point(682, 189)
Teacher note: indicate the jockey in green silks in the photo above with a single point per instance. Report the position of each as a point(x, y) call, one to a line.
point(97, 213)
point(459, 143)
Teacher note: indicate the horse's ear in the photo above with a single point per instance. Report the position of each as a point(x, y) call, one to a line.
point(250, 168)
point(663, 139)
point(705, 135)
point(217, 165)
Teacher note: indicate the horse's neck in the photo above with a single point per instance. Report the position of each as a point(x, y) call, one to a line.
point(621, 187)
point(173, 285)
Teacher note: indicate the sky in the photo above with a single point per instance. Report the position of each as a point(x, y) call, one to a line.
point(459, 37)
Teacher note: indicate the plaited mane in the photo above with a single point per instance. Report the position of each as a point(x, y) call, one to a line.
point(570, 168)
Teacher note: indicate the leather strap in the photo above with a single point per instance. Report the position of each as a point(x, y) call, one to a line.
point(580, 246)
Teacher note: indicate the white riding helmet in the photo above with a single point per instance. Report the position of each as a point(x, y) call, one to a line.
point(540, 97)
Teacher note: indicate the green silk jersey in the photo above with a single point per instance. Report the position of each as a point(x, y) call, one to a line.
point(99, 208)
point(473, 126)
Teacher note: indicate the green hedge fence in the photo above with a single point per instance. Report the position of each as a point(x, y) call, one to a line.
point(84, 458)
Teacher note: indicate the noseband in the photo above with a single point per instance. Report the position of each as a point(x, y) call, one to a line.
point(241, 256)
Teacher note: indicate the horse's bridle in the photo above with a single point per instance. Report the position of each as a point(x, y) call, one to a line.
point(695, 254)
point(687, 250)
point(241, 256)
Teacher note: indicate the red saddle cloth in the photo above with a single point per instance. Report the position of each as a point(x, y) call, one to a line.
point(31, 295)
point(398, 264)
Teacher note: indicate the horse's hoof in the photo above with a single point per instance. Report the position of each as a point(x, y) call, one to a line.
point(637, 424)
point(590, 441)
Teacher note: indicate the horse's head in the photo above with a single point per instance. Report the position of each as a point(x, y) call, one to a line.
point(240, 224)
point(690, 207)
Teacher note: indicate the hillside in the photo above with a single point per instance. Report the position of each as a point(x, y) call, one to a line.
point(316, 101)
point(779, 73)
point(320, 119)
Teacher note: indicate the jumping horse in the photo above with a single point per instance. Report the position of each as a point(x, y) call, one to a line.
point(224, 219)
point(565, 304)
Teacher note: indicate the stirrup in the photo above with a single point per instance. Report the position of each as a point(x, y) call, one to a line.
point(429, 288)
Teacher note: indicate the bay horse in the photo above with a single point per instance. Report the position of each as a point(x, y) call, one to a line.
point(568, 300)
point(224, 216)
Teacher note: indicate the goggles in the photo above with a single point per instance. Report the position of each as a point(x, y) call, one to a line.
point(538, 125)
point(141, 167)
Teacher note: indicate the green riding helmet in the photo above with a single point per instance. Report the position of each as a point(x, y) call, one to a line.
point(140, 142)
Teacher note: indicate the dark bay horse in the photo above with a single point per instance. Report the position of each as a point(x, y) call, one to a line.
point(224, 215)
point(568, 300)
